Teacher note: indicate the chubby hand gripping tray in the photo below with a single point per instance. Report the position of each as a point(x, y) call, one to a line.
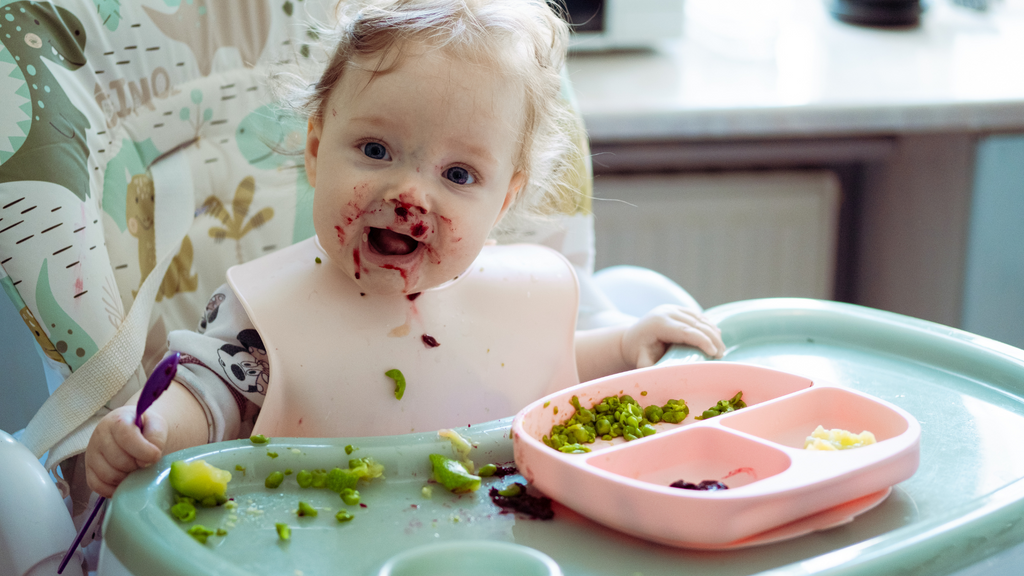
point(757, 451)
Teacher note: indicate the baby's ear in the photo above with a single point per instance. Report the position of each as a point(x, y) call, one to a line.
point(312, 149)
point(515, 186)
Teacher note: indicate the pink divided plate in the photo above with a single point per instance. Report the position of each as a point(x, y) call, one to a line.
point(777, 490)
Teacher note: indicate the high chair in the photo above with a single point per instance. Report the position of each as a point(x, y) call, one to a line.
point(139, 163)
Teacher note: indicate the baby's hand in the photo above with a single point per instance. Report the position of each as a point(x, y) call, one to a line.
point(117, 447)
point(646, 341)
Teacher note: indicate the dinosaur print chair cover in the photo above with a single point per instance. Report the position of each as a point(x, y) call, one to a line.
point(139, 140)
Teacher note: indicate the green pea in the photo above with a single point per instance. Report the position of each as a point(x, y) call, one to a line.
point(201, 533)
point(487, 470)
point(259, 439)
point(304, 478)
point(184, 511)
point(344, 516)
point(511, 490)
point(274, 480)
point(306, 510)
point(653, 413)
point(350, 496)
point(574, 449)
point(399, 379)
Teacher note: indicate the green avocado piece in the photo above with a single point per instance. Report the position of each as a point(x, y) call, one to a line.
point(200, 480)
point(452, 475)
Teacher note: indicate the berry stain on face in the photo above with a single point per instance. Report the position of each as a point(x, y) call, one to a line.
point(400, 226)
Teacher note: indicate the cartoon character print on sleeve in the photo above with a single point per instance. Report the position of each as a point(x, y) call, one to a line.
point(210, 314)
point(246, 366)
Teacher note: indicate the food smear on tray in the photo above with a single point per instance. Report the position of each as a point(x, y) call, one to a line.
point(515, 497)
point(612, 417)
point(837, 439)
point(704, 485)
point(724, 406)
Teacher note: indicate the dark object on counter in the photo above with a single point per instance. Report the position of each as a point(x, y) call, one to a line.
point(877, 12)
point(709, 485)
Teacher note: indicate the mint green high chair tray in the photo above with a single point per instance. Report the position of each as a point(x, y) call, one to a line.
point(965, 502)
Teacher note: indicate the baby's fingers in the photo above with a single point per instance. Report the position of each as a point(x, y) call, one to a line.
point(698, 331)
point(102, 477)
point(134, 450)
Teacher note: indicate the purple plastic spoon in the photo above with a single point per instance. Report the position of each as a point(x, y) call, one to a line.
point(156, 384)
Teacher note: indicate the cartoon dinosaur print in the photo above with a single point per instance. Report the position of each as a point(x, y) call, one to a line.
point(140, 212)
point(41, 338)
point(55, 149)
point(131, 160)
point(69, 339)
point(30, 320)
point(206, 27)
point(178, 278)
point(267, 138)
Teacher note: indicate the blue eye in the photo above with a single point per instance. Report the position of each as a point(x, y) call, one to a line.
point(376, 150)
point(459, 175)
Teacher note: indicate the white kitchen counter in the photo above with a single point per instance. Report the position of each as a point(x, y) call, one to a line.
point(798, 72)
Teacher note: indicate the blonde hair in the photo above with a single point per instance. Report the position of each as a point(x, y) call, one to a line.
point(524, 40)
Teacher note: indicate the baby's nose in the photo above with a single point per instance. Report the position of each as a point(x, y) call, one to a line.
point(409, 201)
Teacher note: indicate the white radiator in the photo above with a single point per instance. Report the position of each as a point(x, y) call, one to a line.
point(723, 237)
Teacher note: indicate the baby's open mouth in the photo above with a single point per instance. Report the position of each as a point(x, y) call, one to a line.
point(388, 243)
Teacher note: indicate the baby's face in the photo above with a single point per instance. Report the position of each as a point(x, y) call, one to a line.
point(413, 169)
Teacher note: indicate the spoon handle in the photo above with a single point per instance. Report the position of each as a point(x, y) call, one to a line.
point(156, 384)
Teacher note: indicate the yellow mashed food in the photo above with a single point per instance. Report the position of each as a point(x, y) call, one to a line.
point(204, 482)
point(837, 439)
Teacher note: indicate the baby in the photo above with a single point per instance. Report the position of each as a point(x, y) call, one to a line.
point(434, 121)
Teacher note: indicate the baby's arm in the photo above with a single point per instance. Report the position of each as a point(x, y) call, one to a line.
point(200, 406)
point(615, 349)
point(117, 447)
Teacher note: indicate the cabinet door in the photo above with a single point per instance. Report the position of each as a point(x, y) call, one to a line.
point(724, 237)
point(993, 303)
